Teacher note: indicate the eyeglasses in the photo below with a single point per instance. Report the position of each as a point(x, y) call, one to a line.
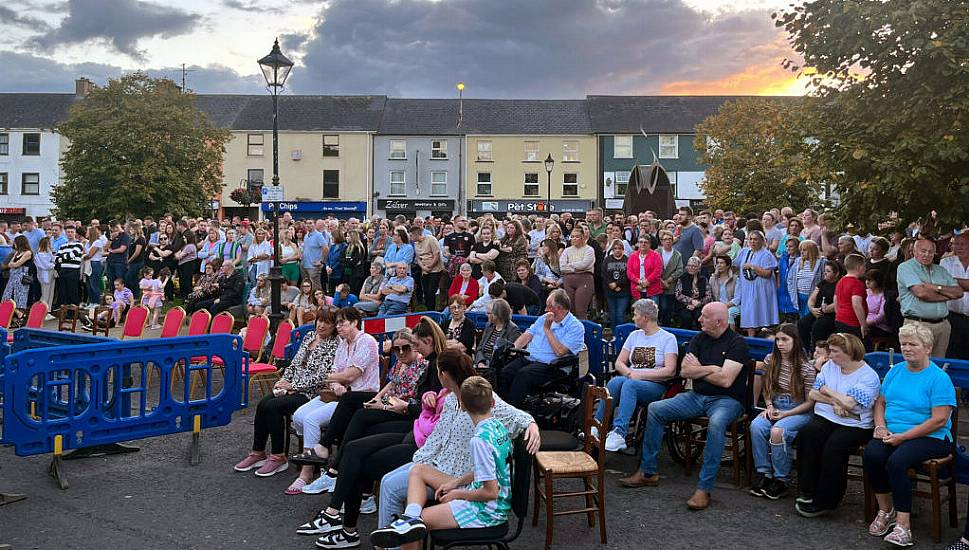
point(401, 349)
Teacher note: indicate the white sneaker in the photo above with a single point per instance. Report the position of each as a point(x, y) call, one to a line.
point(615, 442)
point(322, 484)
point(368, 505)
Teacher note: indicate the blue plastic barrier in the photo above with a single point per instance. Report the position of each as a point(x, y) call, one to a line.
point(31, 338)
point(74, 396)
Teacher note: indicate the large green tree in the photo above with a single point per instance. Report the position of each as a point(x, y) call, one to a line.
point(758, 156)
point(892, 112)
point(138, 146)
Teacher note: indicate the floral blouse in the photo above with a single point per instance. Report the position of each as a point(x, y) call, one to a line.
point(309, 368)
point(403, 379)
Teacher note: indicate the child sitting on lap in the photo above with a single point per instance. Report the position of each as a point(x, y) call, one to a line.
point(480, 498)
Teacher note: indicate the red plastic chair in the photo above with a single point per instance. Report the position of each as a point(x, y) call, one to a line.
point(198, 324)
point(135, 322)
point(35, 318)
point(173, 322)
point(6, 312)
point(264, 373)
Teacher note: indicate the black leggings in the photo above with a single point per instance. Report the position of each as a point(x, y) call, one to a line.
point(270, 420)
point(823, 450)
point(185, 273)
point(350, 404)
point(365, 461)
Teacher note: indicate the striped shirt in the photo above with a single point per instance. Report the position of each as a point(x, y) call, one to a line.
point(69, 255)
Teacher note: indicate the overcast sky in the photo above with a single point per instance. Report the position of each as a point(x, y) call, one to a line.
point(405, 48)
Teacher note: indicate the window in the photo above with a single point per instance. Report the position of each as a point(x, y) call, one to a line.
point(672, 176)
point(531, 151)
point(255, 145)
point(484, 152)
point(331, 184)
point(331, 146)
point(31, 184)
point(669, 147)
point(398, 149)
point(622, 147)
point(4, 179)
point(484, 183)
point(570, 185)
point(622, 181)
point(254, 178)
point(4, 144)
point(570, 151)
point(31, 144)
point(439, 183)
point(439, 149)
point(531, 184)
point(398, 184)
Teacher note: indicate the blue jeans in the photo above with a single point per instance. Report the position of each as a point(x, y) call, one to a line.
point(774, 459)
point(392, 307)
point(116, 271)
point(94, 282)
point(720, 410)
point(618, 306)
point(627, 394)
point(132, 277)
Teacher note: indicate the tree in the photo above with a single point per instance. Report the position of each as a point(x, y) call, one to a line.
point(138, 146)
point(892, 112)
point(757, 156)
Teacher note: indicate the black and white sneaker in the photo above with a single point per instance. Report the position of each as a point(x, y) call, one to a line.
point(757, 487)
point(339, 539)
point(775, 489)
point(323, 523)
point(402, 530)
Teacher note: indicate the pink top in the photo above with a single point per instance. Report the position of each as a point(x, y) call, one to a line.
point(876, 311)
point(361, 354)
point(425, 423)
point(651, 267)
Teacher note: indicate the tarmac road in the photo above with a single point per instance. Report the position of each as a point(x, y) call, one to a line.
point(154, 499)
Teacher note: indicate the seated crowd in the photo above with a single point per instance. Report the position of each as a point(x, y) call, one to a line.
point(440, 421)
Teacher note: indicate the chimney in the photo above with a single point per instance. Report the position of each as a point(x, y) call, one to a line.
point(82, 87)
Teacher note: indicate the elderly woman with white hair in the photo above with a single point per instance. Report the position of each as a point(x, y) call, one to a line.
point(912, 424)
point(644, 368)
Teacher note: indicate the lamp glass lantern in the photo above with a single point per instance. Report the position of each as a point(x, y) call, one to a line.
point(275, 67)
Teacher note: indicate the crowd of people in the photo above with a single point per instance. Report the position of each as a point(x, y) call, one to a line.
point(443, 416)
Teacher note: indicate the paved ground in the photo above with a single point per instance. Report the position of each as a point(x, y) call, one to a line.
point(155, 499)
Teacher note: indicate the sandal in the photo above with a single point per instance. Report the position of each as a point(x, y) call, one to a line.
point(296, 487)
point(308, 458)
point(900, 536)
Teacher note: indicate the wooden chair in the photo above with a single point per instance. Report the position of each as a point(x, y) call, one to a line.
point(737, 440)
point(173, 322)
point(35, 318)
point(499, 536)
point(588, 465)
point(96, 326)
point(135, 322)
point(7, 308)
point(65, 324)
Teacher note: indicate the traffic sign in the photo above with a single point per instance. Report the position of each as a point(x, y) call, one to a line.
point(272, 193)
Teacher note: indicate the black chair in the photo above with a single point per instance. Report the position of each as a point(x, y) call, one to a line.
point(498, 537)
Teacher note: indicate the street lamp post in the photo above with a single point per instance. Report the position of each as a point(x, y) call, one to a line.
point(275, 68)
point(549, 163)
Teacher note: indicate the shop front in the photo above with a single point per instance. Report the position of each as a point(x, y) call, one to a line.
point(11, 214)
point(319, 209)
point(501, 208)
point(439, 208)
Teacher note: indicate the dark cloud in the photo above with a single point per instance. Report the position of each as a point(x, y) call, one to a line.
point(121, 23)
point(538, 48)
point(11, 17)
point(28, 73)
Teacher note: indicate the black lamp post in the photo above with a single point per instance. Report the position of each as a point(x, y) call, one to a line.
point(275, 68)
point(549, 163)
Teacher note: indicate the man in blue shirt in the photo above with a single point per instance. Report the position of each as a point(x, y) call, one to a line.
point(397, 292)
point(313, 245)
point(691, 236)
point(58, 239)
point(33, 233)
point(555, 335)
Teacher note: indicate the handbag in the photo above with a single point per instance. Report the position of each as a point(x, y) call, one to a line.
point(27, 279)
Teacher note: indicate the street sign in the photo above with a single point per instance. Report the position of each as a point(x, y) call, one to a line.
point(272, 193)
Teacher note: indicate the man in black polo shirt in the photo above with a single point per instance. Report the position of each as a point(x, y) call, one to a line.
point(718, 364)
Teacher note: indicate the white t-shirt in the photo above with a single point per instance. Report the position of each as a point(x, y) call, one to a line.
point(484, 283)
point(862, 385)
point(101, 242)
point(649, 351)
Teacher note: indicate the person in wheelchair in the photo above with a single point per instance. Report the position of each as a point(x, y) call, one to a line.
point(499, 327)
point(644, 369)
point(718, 362)
point(553, 339)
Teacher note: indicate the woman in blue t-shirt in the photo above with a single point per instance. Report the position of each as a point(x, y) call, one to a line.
point(912, 424)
